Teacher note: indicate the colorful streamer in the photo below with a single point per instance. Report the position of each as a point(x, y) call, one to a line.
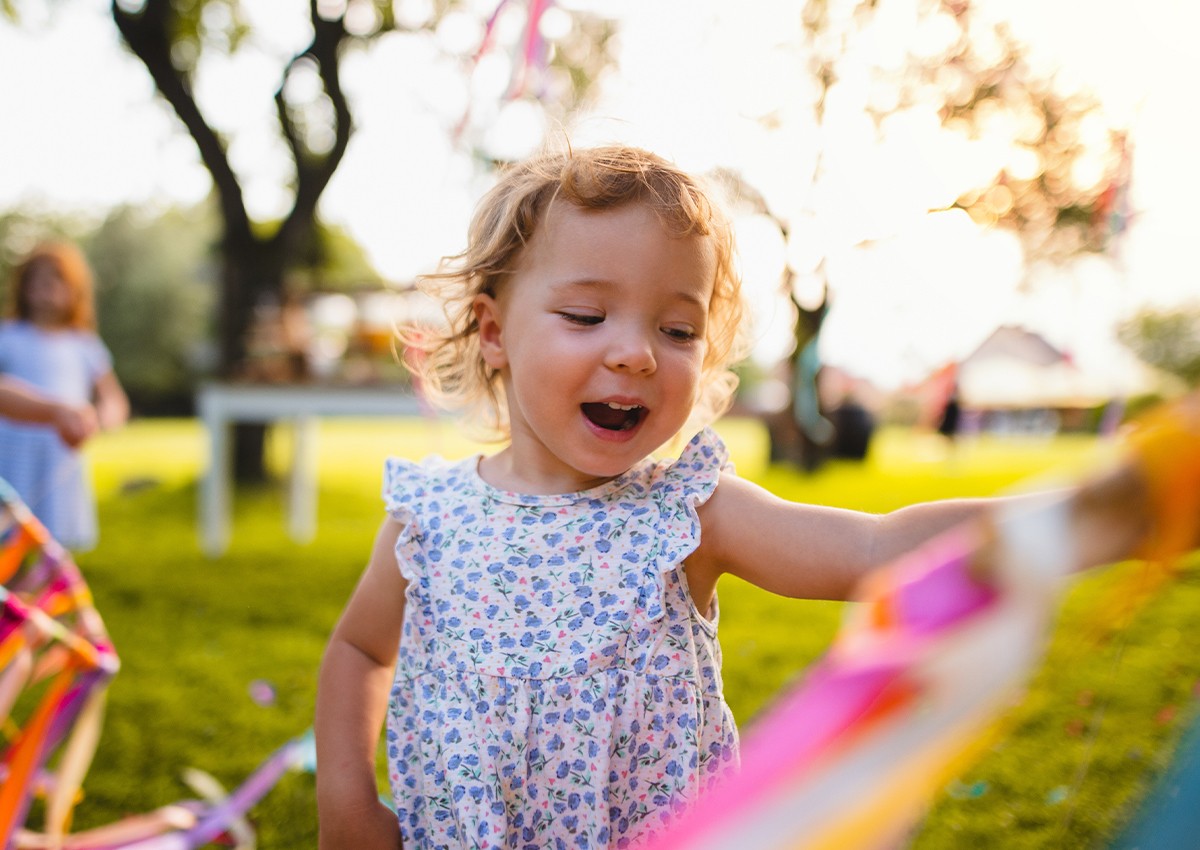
point(527, 61)
point(940, 643)
point(51, 635)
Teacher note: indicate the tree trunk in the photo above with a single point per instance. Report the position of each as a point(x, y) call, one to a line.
point(799, 434)
point(252, 268)
point(791, 445)
point(253, 272)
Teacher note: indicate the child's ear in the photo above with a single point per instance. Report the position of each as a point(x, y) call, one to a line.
point(491, 335)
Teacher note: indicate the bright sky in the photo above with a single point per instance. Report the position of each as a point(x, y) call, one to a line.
point(84, 132)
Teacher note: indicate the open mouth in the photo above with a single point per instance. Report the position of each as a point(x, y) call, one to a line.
point(614, 417)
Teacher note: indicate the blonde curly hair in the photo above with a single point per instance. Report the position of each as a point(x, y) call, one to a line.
point(447, 359)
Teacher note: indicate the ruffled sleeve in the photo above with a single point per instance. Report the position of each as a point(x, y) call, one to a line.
point(679, 488)
point(404, 489)
point(402, 483)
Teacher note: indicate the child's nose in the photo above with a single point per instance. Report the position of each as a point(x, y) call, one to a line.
point(631, 351)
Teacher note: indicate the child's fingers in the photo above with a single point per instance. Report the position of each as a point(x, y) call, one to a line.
point(1164, 448)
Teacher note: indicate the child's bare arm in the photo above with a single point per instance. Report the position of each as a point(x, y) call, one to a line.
point(112, 405)
point(807, 551)
point(1148, 505)
point(356, 674)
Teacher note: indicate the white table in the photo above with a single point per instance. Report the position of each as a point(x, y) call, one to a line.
point(221, 405)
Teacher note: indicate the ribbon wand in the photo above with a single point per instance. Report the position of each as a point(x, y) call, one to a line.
point(940, 642)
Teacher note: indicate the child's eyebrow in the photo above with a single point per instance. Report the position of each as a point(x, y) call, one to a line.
point(565, 287)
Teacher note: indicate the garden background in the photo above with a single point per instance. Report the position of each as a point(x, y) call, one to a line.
point(219, 657)
point(908, 175)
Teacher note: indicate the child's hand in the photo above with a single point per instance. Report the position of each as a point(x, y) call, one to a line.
point(1145, 507)
point(372, 829)
point(75, 424)
point(1165, 454)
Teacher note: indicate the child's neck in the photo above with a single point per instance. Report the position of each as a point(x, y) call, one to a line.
point(504, 471)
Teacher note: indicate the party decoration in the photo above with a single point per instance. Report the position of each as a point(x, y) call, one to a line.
point(937, 647)
point(54, 648)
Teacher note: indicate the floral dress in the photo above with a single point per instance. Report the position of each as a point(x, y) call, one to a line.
point(556, 685)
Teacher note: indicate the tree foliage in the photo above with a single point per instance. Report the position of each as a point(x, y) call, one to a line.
point(1058, 185)
point(154, 293)
point(1057, 189)
point(1061, 160)
point(1168, 340)
point(314, 116)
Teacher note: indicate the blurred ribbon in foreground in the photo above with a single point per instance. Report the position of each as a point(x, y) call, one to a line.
point(939, 643)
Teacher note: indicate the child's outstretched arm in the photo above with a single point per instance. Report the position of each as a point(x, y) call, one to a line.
point(1146, 506)
point(937, 644)
point(807, 551)
point(356, 675)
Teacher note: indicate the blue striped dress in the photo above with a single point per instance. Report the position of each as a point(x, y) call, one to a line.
point(48, 475)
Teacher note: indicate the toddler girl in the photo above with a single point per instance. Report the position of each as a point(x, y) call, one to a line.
point(48, 344)
point(545, 618)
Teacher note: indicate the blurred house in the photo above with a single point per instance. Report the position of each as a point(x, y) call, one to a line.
point(1017, 369)
point(1015, 380)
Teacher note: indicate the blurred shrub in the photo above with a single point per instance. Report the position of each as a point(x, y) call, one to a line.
point(1168, 340)
point(155, 285)
point(1139, 404)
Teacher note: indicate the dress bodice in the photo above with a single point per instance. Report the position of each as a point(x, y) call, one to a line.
point(556, 683)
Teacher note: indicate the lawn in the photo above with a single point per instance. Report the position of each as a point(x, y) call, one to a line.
point(219, 657)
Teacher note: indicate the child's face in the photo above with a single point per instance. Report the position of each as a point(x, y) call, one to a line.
point(47, 296)
point(599, 336)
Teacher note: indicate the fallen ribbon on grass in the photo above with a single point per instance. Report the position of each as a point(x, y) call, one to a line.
point(52, 636)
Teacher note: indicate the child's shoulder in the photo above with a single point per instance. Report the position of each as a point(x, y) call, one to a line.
point(429, 469)
point(18, 334)
point(28, 332)
point(702, 459)
point(406, 480)
point(679, 485)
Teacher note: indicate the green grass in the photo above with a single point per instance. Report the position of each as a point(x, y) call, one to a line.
point(195, 635)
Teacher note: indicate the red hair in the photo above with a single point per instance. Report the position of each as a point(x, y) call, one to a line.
point(71, 266)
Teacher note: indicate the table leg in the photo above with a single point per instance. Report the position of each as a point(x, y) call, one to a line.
point(302, 495)
point(214, 498)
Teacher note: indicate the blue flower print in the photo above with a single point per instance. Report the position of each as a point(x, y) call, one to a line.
point(556, 686)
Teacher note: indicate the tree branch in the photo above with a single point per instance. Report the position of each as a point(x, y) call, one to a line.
point(148, 34)
point(313, 172)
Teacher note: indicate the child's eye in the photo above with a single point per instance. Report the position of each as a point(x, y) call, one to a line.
point(581, 318)
point(680, 334)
